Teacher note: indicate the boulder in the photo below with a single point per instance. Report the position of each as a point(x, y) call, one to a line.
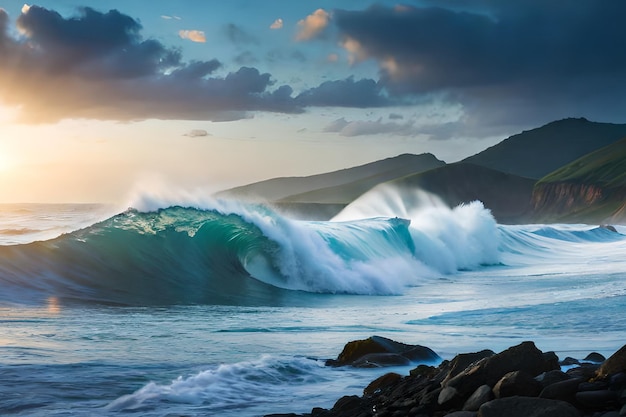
point(551, 377)
point(382, 382)
point(517, 383)
point(527, 407)
point(523, 357)
point(463, 360)
point(482, 395)
point(564, 390)
point(391, 353)
point(614, 364)
point(595, 357)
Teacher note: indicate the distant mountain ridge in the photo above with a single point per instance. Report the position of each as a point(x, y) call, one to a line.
point(277, 189)
point(537, 152)
point(570, 170)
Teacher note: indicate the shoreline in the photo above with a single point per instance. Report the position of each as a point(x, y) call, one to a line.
point(519, 381)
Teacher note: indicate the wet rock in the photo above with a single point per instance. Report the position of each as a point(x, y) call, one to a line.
point(569, 361)
point(482, 395)
point(524, 356)
point(595, 357)
point(461, 414)
point(563, 390)
point(348, 403)
point(517, 383)
point(382, 382)
point(597, 400)
point(551, 377)
point(527, 407)
point(357, 351)
point(463, 360)
point(448, 397)
point(608, 227)
point(614, 364)
point(584, 371)
point(379, 360)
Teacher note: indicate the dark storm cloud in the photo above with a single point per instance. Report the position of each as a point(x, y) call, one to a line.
point(540, 59)
point(97, 65)
point(346, 93)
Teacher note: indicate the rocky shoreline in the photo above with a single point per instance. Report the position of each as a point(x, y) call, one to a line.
point(521, 381)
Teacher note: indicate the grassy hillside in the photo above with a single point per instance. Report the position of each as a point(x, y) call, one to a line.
point(605, 167)
point(537, 152)
point(280, 188)
point(592, 189)
point(506, 195)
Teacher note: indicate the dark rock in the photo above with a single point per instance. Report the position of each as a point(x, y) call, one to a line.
point(425, 371)
point(608, 227)
point(563, 390)
point(527, 407)
point(431, 399)
point(614, 364)
point(482, 395)
point(463, 360)
point(551, 377)
point(595, 357)
point(379, 360)
point(593, 386)
point(584, 371)
point(517, 383)
point(461, 414)
point(597, 400)
point(382, 382)
point(348, 403)
point(524, 356)
point(357, 349)
point(569, 361)
point(448, 397)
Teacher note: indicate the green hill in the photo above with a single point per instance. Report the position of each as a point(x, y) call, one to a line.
point(537, 152)
point(591, 189)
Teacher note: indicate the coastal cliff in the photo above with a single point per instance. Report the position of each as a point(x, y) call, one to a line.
point(571, 202)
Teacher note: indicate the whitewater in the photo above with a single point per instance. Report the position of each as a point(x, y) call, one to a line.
point(195, 306)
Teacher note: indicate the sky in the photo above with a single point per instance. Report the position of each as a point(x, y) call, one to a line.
point(103, 99)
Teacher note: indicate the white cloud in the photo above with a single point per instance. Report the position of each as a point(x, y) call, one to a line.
point(167, 17)
point(193, 35)
point(196, 133)
point(278, 24)
point(313, 25)
point(366, 127)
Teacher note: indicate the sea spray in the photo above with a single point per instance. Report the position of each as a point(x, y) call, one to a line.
point(446, 239)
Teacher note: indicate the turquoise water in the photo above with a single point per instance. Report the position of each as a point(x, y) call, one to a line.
point(231, 311)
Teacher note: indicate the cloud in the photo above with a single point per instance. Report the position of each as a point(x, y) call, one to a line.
point(363, 93)
point(97, 65)
point(168, 17)
point(313, 25)
point(517, 60)
point(278, 24)
point(193, 35)
point(196, 133)
point(366, 128)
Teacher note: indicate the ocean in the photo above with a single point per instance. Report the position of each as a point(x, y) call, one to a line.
point(200, 307)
